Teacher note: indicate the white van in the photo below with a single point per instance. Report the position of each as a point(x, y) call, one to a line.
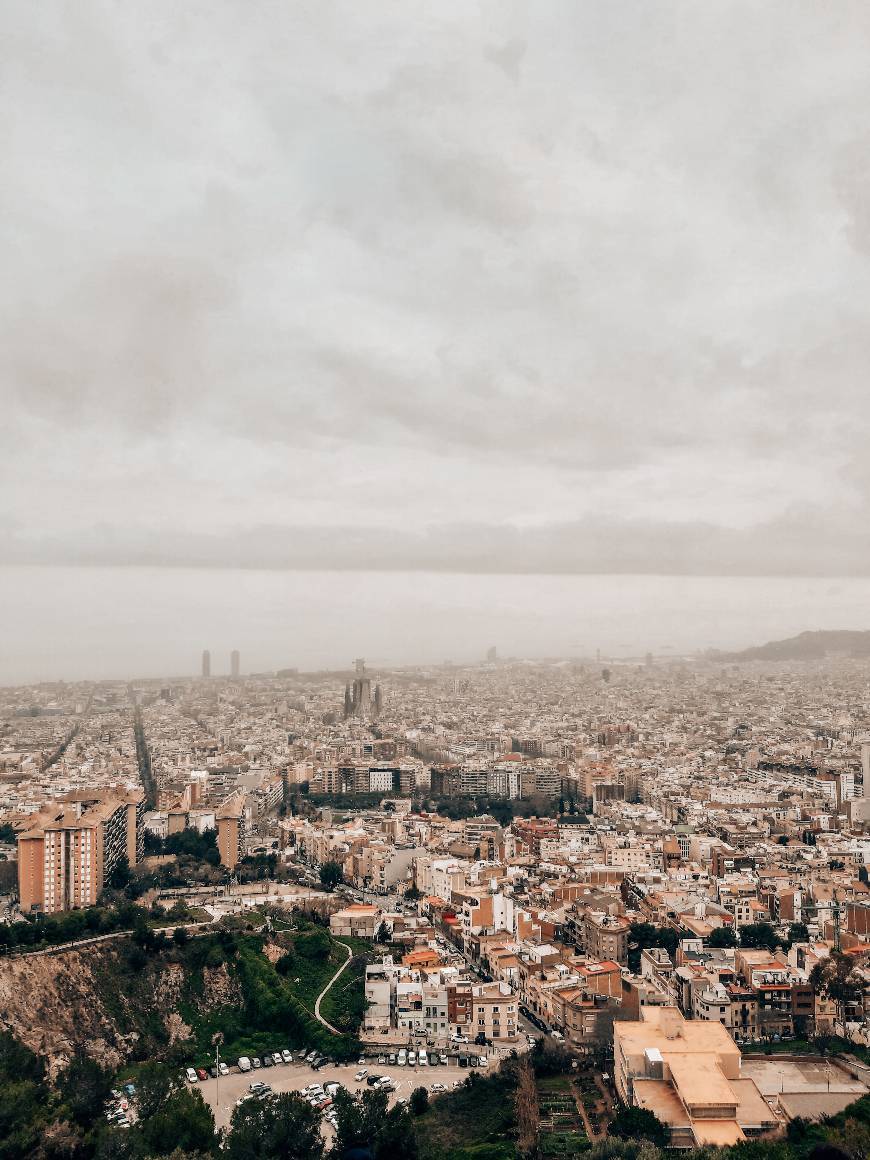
point(244, 1063)
point(403, 1058)
point(412, 1059)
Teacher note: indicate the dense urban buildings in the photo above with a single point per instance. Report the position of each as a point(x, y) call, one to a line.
point(664, 859)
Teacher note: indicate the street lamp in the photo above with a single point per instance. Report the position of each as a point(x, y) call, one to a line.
point(217, 1040)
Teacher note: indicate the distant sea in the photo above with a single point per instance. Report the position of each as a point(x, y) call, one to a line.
point(76, 623)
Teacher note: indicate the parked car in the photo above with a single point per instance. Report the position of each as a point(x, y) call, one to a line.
point(382, 1059)
point(286, 1056)
point(223, 1069)
point(361, 1061)
point(402, 1058)
point(267, 1061)
point(256, 1062)
point(190, 1075)
point(213, 1072)
point(202, 1074)
point(438, 1087)
point(244, 1063)
point(391, 1058)
point(372, 1080)
point(412, 1059)
point(130, 1089)
point(360, 1075)
point(311, 1055)
point(442, 1058)
point(423, 1059)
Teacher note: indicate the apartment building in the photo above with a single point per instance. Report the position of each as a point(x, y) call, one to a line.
point(688, 1075)
point(494, 1012)
point(70, 848)
point(230, 820)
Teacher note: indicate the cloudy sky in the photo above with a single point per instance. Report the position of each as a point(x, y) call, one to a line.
point(510, 286)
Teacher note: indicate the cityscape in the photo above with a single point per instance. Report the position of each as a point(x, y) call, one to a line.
point(656, 868)
point(434, 585)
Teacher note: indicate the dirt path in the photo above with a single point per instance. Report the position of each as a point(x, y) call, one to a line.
point(317, 1014)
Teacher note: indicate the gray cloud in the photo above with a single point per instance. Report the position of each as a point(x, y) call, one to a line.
point(798, 544)
point(309, 284)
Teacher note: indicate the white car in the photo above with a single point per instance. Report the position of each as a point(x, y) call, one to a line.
point(412, 1059)
point(223, 1069)
point(286, 1056)
point(422, 1059)
point(190, 1075)
point(403, 1058)
point(361, 1074)
point(244, 1063)
point(438, 1087)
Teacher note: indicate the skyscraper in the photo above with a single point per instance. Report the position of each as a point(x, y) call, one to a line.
point(234, 663)
point(206, 663)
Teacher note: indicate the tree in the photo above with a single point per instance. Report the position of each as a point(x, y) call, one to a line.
point(314, 946)
point(722, 936)
point(643, 935)
point(180, 936)
point(797, 932)
point(284, 1126)
point(155, 1083)
point(412, 894)
point(396, 1136)
point(85, 1088)
point(183, 1121)
point(383, 933)
point(639, 1123)
point(121, 875)
point(527, 1108)
point(419, 1101)
point(331, 875)
point(837, 979)
point(361, 1119)
point(758, 935)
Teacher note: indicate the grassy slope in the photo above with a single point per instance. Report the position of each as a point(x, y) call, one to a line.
point(275, 1010)
point(472, 1122)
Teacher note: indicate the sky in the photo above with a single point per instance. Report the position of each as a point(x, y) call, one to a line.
point(497, 287)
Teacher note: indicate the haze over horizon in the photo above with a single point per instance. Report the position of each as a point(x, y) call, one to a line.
point(505, 288)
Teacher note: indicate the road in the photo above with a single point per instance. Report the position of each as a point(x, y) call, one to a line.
point(295, 1076)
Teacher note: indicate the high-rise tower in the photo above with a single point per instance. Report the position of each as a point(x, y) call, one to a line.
point(206, 663)
point(234, 663)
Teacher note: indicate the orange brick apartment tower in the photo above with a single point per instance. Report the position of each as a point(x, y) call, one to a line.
point(72, 847)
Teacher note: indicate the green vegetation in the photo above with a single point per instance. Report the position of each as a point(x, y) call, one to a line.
point(285, 1127)
point(344, 1004)
point(331, 875)
point(364, 1123)
point(759, 935)
point(55, 929)
point(639, 1124)
point(643, 936)
point(476, 1120)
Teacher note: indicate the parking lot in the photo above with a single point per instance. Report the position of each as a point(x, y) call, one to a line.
point(294, 1076)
